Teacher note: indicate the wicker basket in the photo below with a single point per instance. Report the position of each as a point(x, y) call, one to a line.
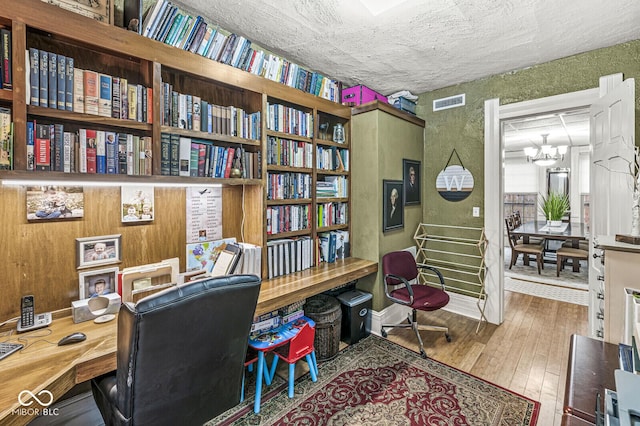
point(327, 314)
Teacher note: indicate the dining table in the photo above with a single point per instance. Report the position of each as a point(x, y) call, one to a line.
point(566, 231)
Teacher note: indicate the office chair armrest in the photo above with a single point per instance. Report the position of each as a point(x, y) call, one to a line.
point(436, 271)
point(405, 283)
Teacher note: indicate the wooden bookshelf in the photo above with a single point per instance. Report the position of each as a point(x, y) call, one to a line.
point(114, 51)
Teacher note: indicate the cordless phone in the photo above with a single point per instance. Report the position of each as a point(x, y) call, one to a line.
point(27, 312)
point(28, 319)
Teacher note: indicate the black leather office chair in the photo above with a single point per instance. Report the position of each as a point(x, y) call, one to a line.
point(399, 268)
point(180, 354)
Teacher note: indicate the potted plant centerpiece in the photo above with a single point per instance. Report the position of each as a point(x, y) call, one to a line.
point(555, 206)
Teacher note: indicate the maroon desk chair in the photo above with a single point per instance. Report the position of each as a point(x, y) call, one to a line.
point(399, 268)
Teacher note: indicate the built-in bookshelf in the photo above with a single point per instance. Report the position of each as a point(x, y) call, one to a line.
point(269, 144)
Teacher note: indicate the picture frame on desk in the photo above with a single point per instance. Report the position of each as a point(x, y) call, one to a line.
point(392, 205)
point(97, 282)
point(411, 180)
point(94, 251)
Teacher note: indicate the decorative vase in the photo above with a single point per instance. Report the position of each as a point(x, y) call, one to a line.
point(338, 133)
point(555, 223)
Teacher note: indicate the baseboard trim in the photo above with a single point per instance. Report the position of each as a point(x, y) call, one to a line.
point(394, 314)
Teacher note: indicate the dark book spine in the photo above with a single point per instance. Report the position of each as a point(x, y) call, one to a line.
point(44, 78)
point(165, 154)
point(57, 134)
point(122, 153)
point(7, 80)
point(53, 80)
point(174, 155)
point(34, 75)
point(68, 99)
point(62, 81)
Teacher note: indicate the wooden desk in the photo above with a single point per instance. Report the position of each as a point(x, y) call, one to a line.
point(43, 365)
point(590, 371)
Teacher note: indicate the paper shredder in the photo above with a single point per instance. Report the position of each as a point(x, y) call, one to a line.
point(356, 315)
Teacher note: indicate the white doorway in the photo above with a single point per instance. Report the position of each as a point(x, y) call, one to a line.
point(543, 153)
point(494, 174)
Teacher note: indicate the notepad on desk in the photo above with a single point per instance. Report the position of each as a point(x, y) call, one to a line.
point(226, 261)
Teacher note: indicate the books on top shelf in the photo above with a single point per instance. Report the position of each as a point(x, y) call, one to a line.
point(54, 82)
point(169, 24)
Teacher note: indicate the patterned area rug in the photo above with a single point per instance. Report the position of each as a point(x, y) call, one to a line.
point(377, 382)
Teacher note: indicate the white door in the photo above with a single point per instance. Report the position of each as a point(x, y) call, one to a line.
point(612, 139)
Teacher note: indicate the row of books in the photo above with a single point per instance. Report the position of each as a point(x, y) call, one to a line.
point(286, 256)
point(167, 23)
point(281, 118)
point(183, 156)
point(55, 83)
point(288, 186)
point(332, 158)
point(51, 148)
point(274, 319)
point(6, 60)
point(332, 246)
point(191, 112)
point(331, 187)
point(6, 139)
point(330, 214)
point(286, 152)
point(288, 218)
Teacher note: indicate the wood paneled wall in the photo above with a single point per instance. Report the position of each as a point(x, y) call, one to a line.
point(39, 258)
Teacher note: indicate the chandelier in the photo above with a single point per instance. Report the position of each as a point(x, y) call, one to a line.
point(547, 154)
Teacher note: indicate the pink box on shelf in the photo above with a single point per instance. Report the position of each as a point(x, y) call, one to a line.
point(358, 95)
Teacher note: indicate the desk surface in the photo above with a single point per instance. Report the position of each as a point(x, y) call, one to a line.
point(590, 371)
point(42, 365)
point(535, 229)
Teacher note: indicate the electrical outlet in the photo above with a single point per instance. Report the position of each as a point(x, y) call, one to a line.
point(476, 212)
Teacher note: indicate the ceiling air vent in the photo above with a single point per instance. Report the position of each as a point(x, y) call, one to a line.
point(450, 102)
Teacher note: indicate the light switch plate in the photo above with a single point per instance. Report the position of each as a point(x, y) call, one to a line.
point(476, 212)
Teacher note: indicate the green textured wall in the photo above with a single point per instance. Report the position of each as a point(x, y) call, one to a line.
point(380, 142)
point(462, 128)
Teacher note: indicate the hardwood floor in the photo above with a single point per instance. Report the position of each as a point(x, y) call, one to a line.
point(527, 353)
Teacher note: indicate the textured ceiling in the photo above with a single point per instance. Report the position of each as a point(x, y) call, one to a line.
point(422, 45)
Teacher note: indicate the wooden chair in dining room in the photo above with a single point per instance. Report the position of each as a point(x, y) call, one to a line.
point(565, 253)
point(517, 249)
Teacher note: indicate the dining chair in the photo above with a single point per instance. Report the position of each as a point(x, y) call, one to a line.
point(517, 249)
point(565, 253)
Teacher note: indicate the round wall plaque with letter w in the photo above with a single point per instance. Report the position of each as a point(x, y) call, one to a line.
point(454, 183)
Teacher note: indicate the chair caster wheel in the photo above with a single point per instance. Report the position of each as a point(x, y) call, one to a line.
point(423, 354)
point(384, 333)
point(448, 337)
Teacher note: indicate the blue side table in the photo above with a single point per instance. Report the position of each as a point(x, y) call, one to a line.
point(271, 340)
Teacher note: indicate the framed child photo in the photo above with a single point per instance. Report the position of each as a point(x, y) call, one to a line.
point(411, 180)
point(392, 206)
point(137, 204)
point(98, 282)
point(94, 251)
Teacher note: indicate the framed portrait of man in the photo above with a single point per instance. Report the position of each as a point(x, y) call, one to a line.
point(411, 179)
point(392, 206)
